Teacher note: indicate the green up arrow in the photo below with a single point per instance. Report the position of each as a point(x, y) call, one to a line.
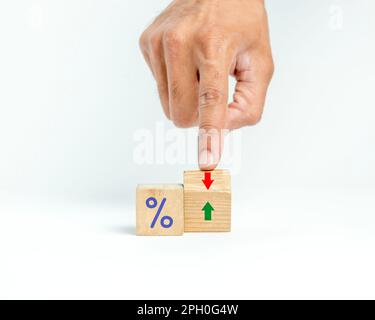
point(208, 211)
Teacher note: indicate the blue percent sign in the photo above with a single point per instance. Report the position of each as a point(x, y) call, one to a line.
point(166, 221)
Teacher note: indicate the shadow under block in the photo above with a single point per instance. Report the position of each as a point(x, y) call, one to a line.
point(160, 210)
point(207, 210)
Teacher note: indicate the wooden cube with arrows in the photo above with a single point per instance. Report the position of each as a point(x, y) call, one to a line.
point(207, 201)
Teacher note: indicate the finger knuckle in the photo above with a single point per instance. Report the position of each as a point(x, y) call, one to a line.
point(173, 39)
point(209, 32)
point(155, 43)
point(211, 49)
point(211, 42)
point(208, 128)
point(175, 92)
point(210, 96)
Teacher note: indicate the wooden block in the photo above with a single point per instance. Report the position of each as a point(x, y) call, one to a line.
point(207, 201)
point(160, 210)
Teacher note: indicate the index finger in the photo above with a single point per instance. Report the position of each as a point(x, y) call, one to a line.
point(213, 109)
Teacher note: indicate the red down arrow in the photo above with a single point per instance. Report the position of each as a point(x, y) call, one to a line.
point(207, 180)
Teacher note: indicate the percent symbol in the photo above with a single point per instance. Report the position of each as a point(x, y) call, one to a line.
point(166, 221)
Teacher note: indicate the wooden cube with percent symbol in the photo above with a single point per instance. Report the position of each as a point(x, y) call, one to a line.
point(160, 210)
point(207, 201)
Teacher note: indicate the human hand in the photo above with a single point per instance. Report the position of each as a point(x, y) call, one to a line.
point(192, 48)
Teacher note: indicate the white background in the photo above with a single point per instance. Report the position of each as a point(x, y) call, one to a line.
point(73, 90)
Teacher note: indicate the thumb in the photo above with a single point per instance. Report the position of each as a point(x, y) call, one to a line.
point(213, 108)
point(253, 74)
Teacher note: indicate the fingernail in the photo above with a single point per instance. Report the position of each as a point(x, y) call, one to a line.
point(207, 160)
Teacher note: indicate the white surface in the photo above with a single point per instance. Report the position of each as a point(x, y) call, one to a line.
point(73, 90)
point(284, 244)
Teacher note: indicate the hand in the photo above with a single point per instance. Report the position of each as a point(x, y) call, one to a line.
point(192, 48)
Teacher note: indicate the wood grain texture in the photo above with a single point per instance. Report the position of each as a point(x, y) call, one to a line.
point(173, 207)
point(193, 181)
point(196, 196)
